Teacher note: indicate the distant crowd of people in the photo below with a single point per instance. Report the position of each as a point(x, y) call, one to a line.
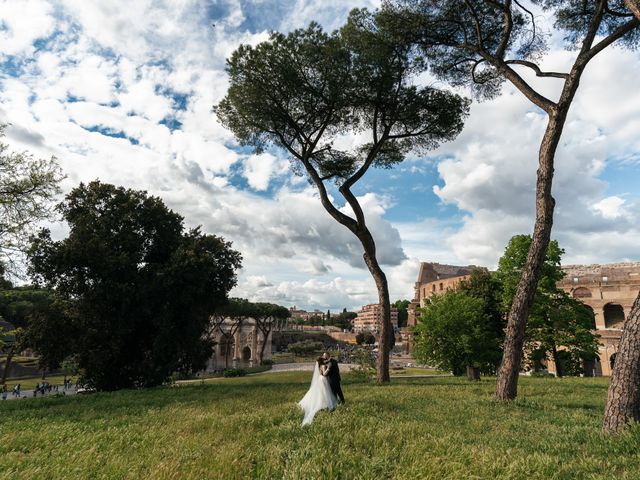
point(40, 388)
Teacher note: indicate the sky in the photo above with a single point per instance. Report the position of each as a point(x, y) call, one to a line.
point(122, 91)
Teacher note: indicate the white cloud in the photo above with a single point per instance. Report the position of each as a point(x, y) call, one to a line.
point(260, 169)
point(611, 207)
point(125, 61)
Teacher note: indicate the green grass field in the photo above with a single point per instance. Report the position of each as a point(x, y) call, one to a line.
point(438, 428)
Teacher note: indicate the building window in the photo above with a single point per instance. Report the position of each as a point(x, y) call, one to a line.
point(433, 287)
point(441, 287)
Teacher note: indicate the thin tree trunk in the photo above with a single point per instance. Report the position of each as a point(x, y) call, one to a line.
point(556, 360)
point(473, 373)
point(623, 399)
point(507, 382)
point(7, 364)
point(264, 344)
point(384, 342)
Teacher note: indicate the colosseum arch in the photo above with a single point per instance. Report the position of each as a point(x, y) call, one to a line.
point(613, 315)
point(581, 292)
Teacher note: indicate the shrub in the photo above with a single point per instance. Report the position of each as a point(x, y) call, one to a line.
point(305, 347)
point(234, 372)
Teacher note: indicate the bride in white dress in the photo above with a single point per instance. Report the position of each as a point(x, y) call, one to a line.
point(319, 396)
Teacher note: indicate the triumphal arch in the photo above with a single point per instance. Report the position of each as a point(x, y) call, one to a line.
point(239, 343)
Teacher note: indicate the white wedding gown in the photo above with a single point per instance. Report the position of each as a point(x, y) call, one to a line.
point(318, 397)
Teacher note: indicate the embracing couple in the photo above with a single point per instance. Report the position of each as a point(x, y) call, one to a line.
point(325, 387)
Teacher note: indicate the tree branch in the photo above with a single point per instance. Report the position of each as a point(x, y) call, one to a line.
point(634, 6)
point(535, 68)
point(601, 45)
point(540, 100)
point(340, 217)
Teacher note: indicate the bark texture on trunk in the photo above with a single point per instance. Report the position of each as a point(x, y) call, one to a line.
point(634, 6)
point(507, 382)
point(384, 342)
point(473, 373)
point(623, 399)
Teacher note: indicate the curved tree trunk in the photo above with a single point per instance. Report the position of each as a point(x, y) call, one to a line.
point(507, 382)
point(623, 400)
point(384, 342)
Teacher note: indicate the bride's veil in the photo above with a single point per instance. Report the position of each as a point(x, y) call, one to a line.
point(313, 401)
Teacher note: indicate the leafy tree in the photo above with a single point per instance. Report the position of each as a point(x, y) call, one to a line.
point(236, 310)
point(560, 327)
point(345, 320)
point(305, 347)
point(454, 332)
point(27, 189)
point(143, 287)
point(486, 286)
point(482, 43)
point(365, 338)
point(403, 314)
point(16, 305)
point(264, 315)
point(302, 91)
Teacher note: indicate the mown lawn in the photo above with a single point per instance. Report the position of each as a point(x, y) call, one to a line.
point(440, 428)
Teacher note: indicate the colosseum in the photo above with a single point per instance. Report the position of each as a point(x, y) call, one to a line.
point(609, 290)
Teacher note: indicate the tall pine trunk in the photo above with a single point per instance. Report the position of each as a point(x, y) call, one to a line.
point(384, 342)
point(507, 382)
point(623, 399)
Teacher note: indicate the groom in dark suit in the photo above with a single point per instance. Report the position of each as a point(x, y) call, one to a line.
point(332, 372)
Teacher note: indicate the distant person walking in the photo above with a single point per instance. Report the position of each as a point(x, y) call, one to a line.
point(4, 392)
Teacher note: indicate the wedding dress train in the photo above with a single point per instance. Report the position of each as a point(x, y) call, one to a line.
point(318, 397)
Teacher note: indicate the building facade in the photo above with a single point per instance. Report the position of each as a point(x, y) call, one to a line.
point(436, 279)
point(238, 344)
point(370, 317)
point(609, 291)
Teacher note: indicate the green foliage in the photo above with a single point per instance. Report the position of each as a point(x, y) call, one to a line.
point(142, 287)
point(234, 372)
point(365, 338)
point(305, 347)
point(467, 43)
point(454, 331)
point(41, 324)
point(432, 428)
point(365, 365)
point(403, 315)
point(28, 187)
point(344, 320)
point(559, 327)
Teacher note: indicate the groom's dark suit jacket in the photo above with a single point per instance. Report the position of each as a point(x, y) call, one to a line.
point(333, 374)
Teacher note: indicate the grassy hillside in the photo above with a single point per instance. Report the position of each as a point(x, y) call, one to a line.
point(250, 428)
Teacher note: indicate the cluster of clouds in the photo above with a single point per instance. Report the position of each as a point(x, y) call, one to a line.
point(122, 91)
